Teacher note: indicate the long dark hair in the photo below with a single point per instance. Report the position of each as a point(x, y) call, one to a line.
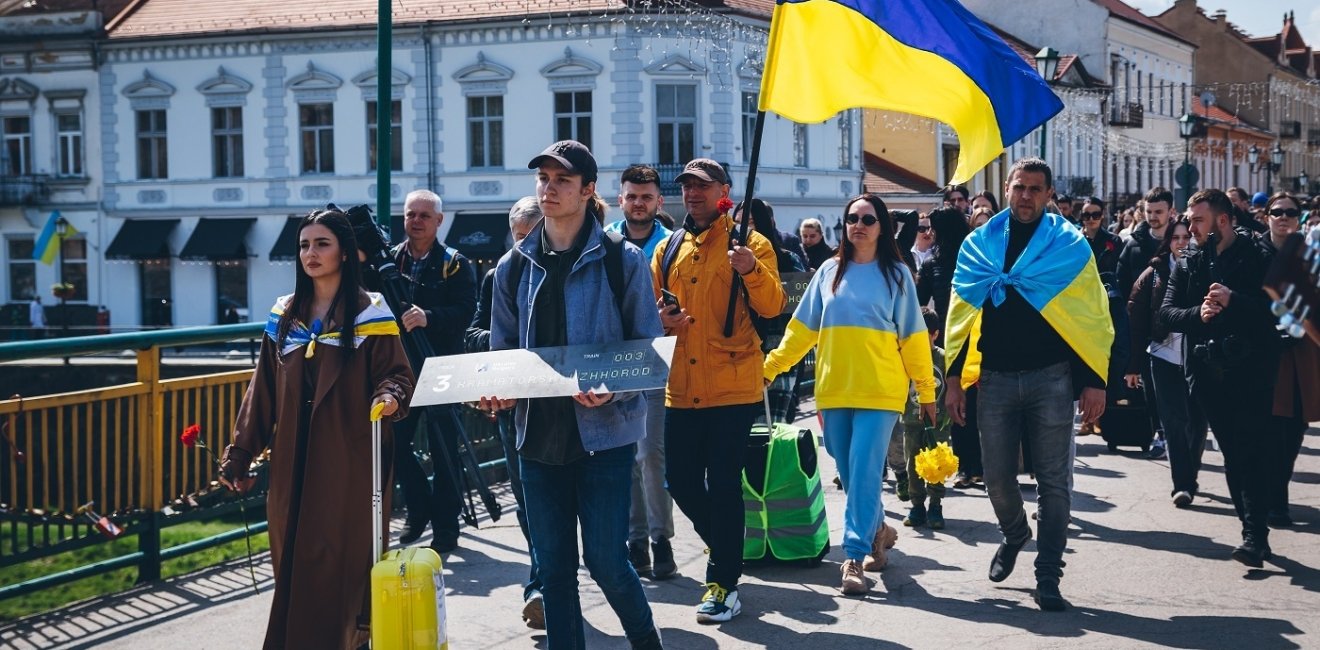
point(1166, 242)
point(950, 228)
point(351, 296)
point(886, 248)
point(763, 221)
point(989, 196)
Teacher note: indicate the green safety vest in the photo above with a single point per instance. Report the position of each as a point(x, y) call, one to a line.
point(788, 517)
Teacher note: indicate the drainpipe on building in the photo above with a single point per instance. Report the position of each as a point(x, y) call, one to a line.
point(430, 109)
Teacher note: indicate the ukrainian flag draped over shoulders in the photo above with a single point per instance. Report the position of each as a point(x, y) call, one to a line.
point(1055, 274)
point(375, 319)
point(924, 57)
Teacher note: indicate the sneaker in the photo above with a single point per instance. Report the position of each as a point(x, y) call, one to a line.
point(533, 613)
point(1157, 451)
point(916, 516)
point(885, 538)
point(1182, 499)
point(962, 481)
point(639, 557)
point(901, 488)
point(854, 579)
point(935, 516)
point(412, 531)
point(664, 566)
point(718, 605)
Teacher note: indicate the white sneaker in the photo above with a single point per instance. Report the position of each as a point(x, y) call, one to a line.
point(718, 605)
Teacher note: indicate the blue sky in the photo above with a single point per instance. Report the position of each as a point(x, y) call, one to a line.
point(1255, 17)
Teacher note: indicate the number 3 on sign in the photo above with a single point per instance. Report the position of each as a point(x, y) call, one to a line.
point(441, 383)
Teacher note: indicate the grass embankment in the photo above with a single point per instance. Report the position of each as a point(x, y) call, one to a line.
point(123, 579)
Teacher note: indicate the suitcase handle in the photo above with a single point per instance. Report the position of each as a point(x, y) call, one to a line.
point(765, 399)
point(377, 505)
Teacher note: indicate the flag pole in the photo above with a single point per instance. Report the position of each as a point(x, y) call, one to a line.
point(736, 286)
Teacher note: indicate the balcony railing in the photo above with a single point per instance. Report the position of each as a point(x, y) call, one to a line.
point(1130, 114)
point(23, 190)
point(670, 171)
point(1291, 130)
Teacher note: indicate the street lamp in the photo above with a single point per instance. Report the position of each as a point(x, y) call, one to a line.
point(1305, 181)
point(838, 231)
point(1047, 65)
point(62, 231)
point(1186, 176)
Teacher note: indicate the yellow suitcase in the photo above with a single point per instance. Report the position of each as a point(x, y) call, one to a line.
point(407, 585)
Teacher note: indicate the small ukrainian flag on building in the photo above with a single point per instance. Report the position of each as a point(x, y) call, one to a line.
point(48, 243)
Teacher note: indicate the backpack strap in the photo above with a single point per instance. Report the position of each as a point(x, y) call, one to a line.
point(671, 253)
point(614, 266)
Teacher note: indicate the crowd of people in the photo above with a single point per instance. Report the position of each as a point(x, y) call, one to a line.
point(996, 330)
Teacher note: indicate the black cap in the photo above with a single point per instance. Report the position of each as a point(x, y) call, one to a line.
point(705, 169)
point(573, 155)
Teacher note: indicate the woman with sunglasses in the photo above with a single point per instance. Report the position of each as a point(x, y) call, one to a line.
point(1296, 400)
point(860, 311)
point(1162, 351)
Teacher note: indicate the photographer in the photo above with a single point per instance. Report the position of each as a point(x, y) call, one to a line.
point(1216, 301)
point(441, 296)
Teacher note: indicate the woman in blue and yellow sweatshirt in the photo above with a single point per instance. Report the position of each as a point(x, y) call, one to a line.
point(861, 311)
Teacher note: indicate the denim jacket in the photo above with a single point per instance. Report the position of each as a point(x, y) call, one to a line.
point(592, 317)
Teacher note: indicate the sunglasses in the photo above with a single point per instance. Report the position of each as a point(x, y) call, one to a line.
point(1286, 212)
point(867, 220)
point(1090, 216)
point(921, 228)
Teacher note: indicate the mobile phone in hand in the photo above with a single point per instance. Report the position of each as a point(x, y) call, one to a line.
point(670, 300)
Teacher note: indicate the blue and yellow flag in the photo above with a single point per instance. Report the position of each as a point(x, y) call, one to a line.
point(374, 320)
point(48, 242)
point(931, 58)
point(1055, 273)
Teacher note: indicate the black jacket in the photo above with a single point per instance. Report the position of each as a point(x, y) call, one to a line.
point(1135, 256)
point(1107, 247)
point(1143, 312)
point(445, 286)
point(1246, 319)
point(816, 255)
point(477, 338)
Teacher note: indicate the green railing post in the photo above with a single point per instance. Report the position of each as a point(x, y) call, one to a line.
point(149, 547)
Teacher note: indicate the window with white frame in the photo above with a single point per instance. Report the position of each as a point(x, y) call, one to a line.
point(750, 101)
point(227, 141)
point(573, 116)
point(69, 139)
point(486, 131)
point(73, 266)
point(316, 124)
point(676, 122)
point(799, 145)
point(845, 139)
point(16, 156)
point(396, 136)
point(22, 268)
point(152, 150)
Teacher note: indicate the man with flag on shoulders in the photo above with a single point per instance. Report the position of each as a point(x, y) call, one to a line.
point(1029, 320)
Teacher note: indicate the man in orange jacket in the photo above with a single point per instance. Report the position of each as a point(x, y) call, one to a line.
point(715, 386)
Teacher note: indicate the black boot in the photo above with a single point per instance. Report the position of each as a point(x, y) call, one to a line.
point(649, 642)
point(1005, 559)
point(412, 530)
point(1253, 552)
point(1047, 596)
point(663, 555)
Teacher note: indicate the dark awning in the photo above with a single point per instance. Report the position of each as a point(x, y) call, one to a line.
point(217, 239)
point(480, 235)
point(142, 239)
point(286, 245)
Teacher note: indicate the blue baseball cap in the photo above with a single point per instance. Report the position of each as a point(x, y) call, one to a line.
point(1259, 200)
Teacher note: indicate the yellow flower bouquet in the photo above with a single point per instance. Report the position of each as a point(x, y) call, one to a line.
point(936, 464)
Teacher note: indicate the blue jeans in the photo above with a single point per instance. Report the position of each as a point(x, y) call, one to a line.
point(1183, 421)
point(652, 508)
point(1031, 409)
point(509, 438)
point(858, 440)
point(594, 491)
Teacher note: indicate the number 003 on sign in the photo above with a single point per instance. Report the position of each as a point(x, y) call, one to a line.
point(545, 372)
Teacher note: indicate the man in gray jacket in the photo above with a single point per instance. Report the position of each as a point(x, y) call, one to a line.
point(576, 454)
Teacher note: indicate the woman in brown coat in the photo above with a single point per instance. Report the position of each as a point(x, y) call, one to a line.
point(1297, 389)
point(309, 402)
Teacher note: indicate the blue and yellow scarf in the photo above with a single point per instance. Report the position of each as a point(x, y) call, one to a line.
point(1056, 274)
point(374, 320)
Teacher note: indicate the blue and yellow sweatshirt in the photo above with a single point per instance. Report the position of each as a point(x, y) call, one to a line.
point(870, 337)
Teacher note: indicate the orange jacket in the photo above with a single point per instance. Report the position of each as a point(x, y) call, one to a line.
point(709, 370)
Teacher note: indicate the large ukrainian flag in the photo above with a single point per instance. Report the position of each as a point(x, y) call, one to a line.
point(1055, 273)
point(925, 57)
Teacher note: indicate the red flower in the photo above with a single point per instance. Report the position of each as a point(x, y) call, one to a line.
point(1109, 245)
point(190, 435)
point(725, 204)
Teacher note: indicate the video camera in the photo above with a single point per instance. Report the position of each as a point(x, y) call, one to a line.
point(372, 240)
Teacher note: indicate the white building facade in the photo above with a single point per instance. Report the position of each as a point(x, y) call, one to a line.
point(210, 140)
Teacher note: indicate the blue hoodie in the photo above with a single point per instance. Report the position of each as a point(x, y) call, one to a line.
point(658, 234)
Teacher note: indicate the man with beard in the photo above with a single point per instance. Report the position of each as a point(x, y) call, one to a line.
point(652, 511)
